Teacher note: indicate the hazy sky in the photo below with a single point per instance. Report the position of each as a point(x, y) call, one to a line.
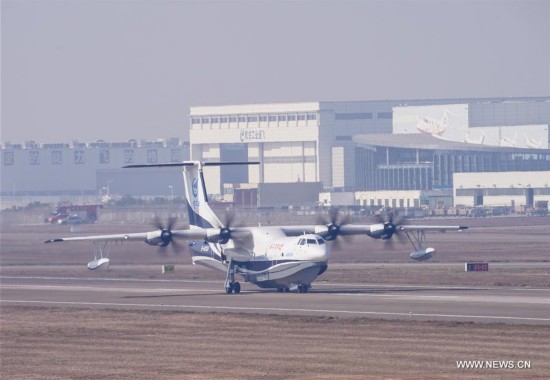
point(117, 70)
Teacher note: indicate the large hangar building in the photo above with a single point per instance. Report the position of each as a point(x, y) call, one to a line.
point(371, 145)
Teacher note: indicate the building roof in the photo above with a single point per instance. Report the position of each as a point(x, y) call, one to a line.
point(426, 141)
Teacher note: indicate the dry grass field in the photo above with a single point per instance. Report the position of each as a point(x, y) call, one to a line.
point(44, 343)
point(109, 344)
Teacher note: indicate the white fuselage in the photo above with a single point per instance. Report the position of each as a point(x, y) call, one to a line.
point(275, 260)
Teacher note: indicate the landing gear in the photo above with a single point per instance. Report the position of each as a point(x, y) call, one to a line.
point(302, 288)
point(235, 287)
point(230, 284)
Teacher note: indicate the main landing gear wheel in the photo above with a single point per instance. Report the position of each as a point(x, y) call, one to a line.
point(234, 287)
point(237, 287)
point(303, 288)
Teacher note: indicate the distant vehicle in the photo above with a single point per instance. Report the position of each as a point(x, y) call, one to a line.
point(72, 219)
point(286, 258)
point(88, 213)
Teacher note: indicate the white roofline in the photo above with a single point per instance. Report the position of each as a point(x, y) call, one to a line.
point(255, 108)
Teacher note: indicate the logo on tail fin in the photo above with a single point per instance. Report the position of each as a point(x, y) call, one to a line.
point(195, 186)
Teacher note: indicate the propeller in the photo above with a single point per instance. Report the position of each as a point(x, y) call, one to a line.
point(229, 229)
point(391, 221)
point(334, 224)
point(166, 235)
point(225, 231)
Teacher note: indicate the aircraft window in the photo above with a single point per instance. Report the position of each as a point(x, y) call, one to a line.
point(302, 242)
point(311, 241)
point(320, 241)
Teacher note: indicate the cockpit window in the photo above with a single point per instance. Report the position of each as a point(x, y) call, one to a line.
point(321, 241)
point(302, 242)
point(312, 241)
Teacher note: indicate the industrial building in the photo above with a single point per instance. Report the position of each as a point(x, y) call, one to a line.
point(51, 172)
point(358, 147)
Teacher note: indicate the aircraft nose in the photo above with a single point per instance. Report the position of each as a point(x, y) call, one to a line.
point(324, 252)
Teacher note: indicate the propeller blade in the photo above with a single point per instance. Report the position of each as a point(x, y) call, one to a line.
point(166, 235)
point(157, 223)
point(177, 248)
point(171, 222)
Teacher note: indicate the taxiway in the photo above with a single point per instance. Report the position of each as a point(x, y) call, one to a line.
point(382, 301)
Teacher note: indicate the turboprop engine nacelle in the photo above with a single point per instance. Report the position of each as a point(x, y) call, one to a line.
point(158, 238)
point(378, 231)
point(423, 254)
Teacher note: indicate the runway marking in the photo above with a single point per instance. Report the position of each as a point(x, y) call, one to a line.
point(315, 284)
point(407, 297)
point(273, 309)
point(102, 289)
point(109, 279)
point(465, 298)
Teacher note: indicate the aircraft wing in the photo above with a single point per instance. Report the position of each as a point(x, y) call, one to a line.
point(137, 236)
point(431, 228)
point(361, 229)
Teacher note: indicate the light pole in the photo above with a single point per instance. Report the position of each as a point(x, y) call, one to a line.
point(171, 192)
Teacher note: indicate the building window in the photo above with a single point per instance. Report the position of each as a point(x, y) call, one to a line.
point(195, 120)
point(252, 119)
point(57, 157)
point(384, 115)
point(103, 156)
point(79, 157)
point(128, 156)
point(232, 119)
point(263, 118)
point(206, 120)
point(282, 117)
point(312, 116)
point(215, 120)
point(242, 119)
point(34, 157)
point(353, 116)
point(272, 118)
point(291, 117)
point(223, 119)
point(152, 156)
point(175, 155)
point(8, 159)
point(301, 117)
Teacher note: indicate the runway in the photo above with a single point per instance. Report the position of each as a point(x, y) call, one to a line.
point(516, 305)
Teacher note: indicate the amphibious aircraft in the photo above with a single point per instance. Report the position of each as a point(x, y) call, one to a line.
point(286, 258)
